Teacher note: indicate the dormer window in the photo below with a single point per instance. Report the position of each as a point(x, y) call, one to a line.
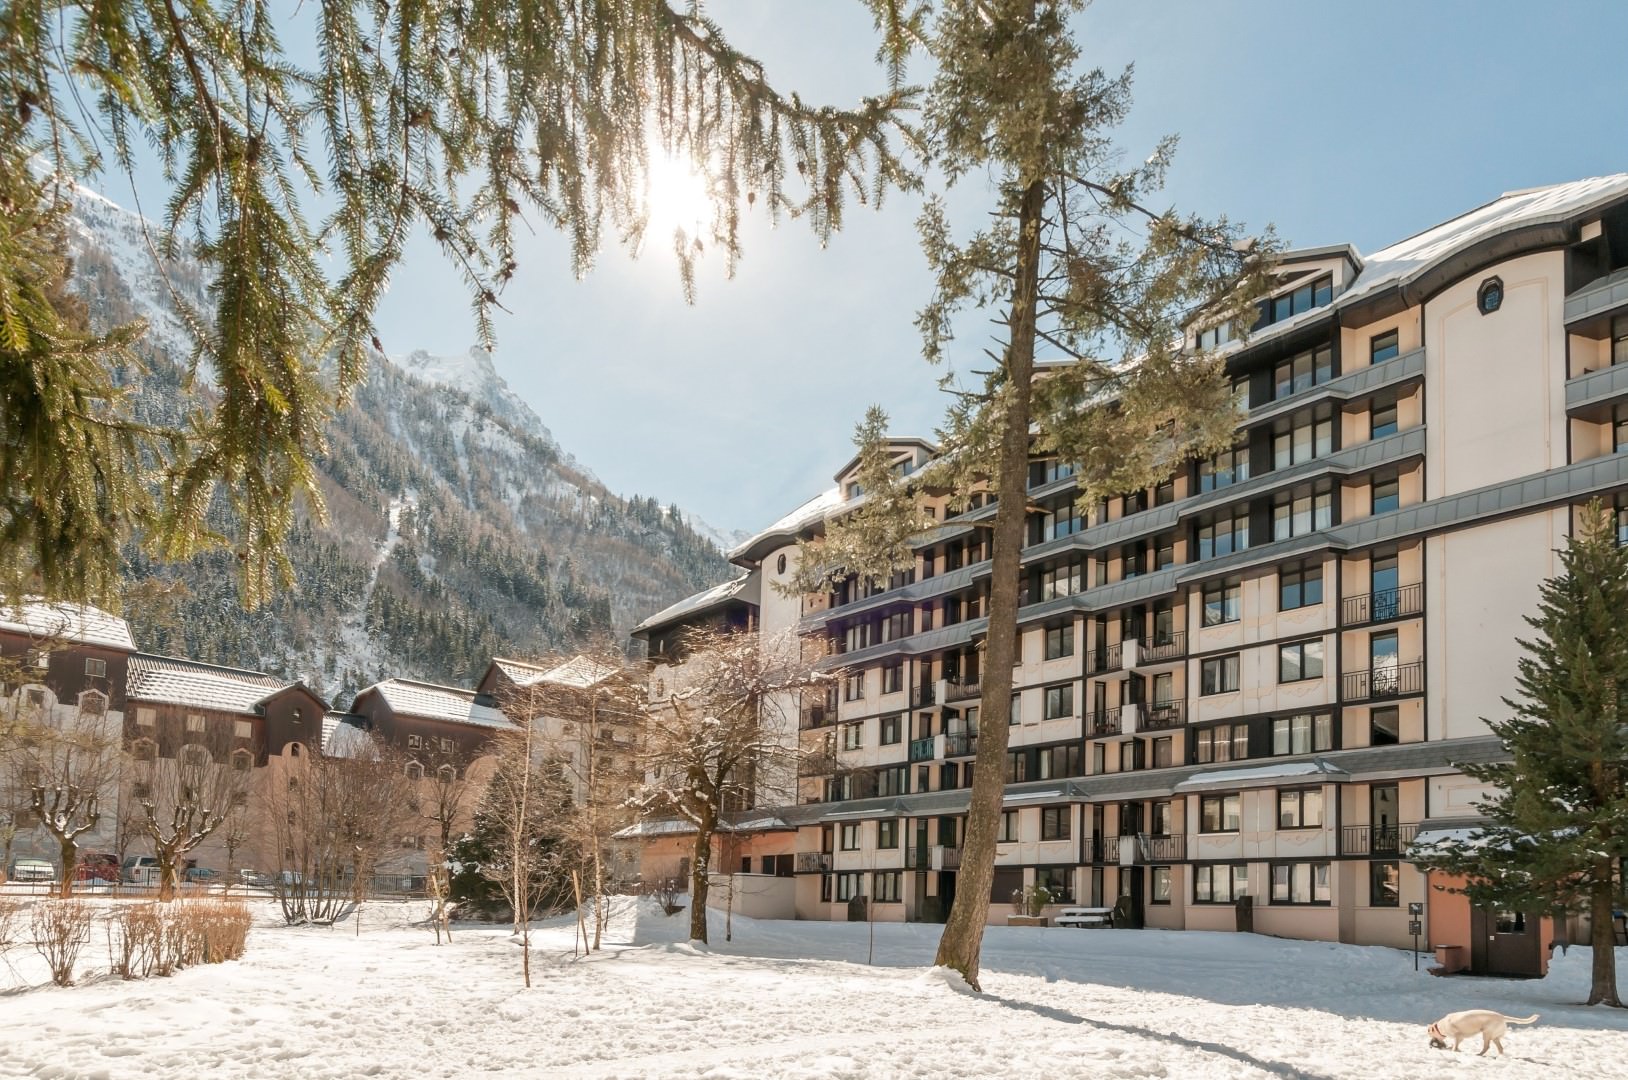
point(1313, 294)
point(855, 489)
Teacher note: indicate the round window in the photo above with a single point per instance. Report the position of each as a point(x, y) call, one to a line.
point(780, 564)
point(1490, 297)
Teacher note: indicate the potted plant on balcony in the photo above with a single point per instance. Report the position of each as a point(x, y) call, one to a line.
point(1028, 904)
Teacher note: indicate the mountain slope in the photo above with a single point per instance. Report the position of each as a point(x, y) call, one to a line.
point(457, 527)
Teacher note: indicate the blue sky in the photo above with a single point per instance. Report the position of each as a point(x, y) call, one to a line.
point(1352, 122)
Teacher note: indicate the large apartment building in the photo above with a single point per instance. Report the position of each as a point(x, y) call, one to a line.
point(1257, 679)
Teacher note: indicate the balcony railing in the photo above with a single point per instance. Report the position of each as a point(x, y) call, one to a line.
point(1163, 714)
point(949, 858)
point(1163, 648)
point(1108, 851)
point(813, 862)
point(1390, 681)
point(1100, 724)
point(1377, 839)
point(960, 743)
point(1160, 849)
point(917, 857)
point(921, 696)
point(962, 690)
point(817, 716)
point(921, 749)
point(1103, 660)
point(1382, 604)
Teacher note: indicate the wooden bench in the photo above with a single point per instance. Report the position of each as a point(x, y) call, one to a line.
point(1084, 916)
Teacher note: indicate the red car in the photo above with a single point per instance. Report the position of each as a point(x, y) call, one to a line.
point(97, 866)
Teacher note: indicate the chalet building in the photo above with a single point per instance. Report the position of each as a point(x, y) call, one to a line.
point(432, 724)
point(1258, 679)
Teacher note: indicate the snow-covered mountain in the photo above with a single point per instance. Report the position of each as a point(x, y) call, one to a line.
point(458, 527)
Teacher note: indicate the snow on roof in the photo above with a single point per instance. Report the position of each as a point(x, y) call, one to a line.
point(769, 823)
point(343, 734)
point(580, 671)
point(654, 828)
point(694, 605)
point(1431, 837)
point(1031, 797)
point(815, 509)
point(68, 622)
point(428, 700)
point(1246, 777)
point(206, 686)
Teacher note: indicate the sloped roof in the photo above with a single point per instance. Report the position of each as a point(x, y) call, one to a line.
point(343, 734)
point(190, 682)
point(812, 511)
point(1265, 774)
point(409, 698)
point(68, 622)
point(579, 671)
point(715, 597)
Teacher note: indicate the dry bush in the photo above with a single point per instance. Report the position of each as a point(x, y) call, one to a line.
point(61, 928)
point(219, 930)
point(11, 922)
point(135, 939)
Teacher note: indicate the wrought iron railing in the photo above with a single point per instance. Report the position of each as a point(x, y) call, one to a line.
point(1382, 604)
point(1102, 723)
point(1163, 648)
point(813, 862)
point(1391, 680)
point(921, 749)
point(1390, 840)
point(1159, 715)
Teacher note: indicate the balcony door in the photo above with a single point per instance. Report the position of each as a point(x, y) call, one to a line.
point(1383, 662)
point(1383, 816)
point(1386, 583)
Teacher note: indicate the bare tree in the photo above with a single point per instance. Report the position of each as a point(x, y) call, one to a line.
point(725, 731)
point(333, 820)
point(450, 791)
point(67, 768)
point(183, 799)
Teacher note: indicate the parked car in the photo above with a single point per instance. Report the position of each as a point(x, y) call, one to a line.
point(255, 879)
point(32, 870)
point(140, 870)
point(97, 866)
point(202, 875)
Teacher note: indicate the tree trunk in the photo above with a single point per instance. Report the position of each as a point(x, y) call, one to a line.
point(599, 892)
point(962, 942)
point(700, 867)
point(69, 850)
point(166, 872)
point(1602, 941)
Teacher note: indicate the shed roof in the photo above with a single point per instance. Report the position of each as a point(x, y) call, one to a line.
point(68, 622)
point(173, 680)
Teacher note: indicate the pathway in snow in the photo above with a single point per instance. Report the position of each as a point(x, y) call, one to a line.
point(793, 1000)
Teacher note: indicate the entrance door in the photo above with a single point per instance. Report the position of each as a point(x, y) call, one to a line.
point(1505, 943)
point(946, 893)
point(1130, 889)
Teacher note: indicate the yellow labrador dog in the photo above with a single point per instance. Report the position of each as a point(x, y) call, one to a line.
point(1491, 1026)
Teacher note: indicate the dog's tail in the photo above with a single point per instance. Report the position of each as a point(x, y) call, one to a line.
point(1513, 1020)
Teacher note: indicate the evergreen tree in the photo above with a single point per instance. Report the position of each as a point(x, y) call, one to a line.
point(1558, 824)
point(1077, 264)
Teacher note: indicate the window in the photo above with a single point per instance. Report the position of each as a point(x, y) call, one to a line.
point(887, 833)
point(1314, 294)
point(1300, 661)
point(1382, 421)
point(1059, 701)
point(1619, 429)
point(1305, 436)
point(1387, 495)
point(36, 697)
point(243, 729)
point(1619, 340)
point(1219, 813)
point(853, 687)
point(1490, 296)
point(1222, 601)
point(1300, 809)
point(1227, 742)
point(853, 735)
point(892, 781)
point(1220, 883)
point(1226, 468)
point(195, 756)
point(1303, 734)
point(92, 704)
point(144, 750)
point(1303, 510)
point(1049, 471)
point(446, 745)
point(1128, 756)
point(446, 774)
point(195, 722)
point(1382, 347)
point(849, 886)
point(1214, 336)
point(1300, 585)
point(1059, 641)
point(415, 771)
point(1065, 580)
point(1063, 521)
point(1056, 880)
point(1163, 750)
point(891, 730)
point(1009, 827)
point(886, 886)
point(1300, 883)
point(1384, 884)
point(1057, 762)
point(1161, 885)
point(294, 718)
point(1224, 533)
point(293, 750)
point(850, 836)
point(1014, 709)
point(1311, 368)
point(146, 717)
point(1218, 675)
point(893, 677)
point(96, 669)
point(1385, 726)
point(1054, 822)
point(415, 742)
point(1017, 766)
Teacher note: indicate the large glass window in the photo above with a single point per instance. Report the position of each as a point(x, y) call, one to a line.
point(887, 886)
point(1009, 827)
point(1054, 822)
point(1385, 726)
point(1220, 883)
point(1059, 641)
point(1311, 368)
point(1161, 885)
point(1065, 520)
point(1220, 813)
point(1214, 336)
point(1064, 580)
point(887, 833)
point(891, 730)
point(1059, 701)
point(1305, 436)
point(1222, 601)
point(1300, 661)
point(1219, 675)
point(1227, 742)
point(1300, 585)
point(1305, 509)
point(1313, 294)
point(1226, 468)
point(1300, 809)
point(1307, 733)
point(1384, 884)
point(1619, 340)
point(1224, 533)
point(1300, 883)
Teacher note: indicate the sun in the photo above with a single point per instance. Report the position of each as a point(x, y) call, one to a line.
point(676, 196)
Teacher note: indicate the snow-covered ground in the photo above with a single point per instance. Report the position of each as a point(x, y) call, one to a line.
point(788, 1000)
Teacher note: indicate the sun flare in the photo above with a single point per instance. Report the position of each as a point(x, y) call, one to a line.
point(676, 197)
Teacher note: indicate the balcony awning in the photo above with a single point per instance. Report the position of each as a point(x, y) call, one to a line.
point(894, 808)
point(1314, 771)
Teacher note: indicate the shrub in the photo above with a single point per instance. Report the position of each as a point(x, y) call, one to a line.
point(11, 922)
point(135, 935)
point(61, 928)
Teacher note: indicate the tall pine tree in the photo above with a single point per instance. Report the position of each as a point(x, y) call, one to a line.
point(1558, 825)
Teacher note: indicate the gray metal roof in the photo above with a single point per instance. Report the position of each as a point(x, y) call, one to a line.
point(172, 680)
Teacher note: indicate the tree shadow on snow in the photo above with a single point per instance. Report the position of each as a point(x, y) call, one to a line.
point(1063, 1016)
